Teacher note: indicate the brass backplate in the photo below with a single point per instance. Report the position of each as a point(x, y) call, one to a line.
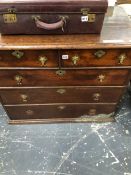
point(10, 18)
point(91, 17)
point(18, 54)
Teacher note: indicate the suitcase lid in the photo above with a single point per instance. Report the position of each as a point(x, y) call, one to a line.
point(53, 6)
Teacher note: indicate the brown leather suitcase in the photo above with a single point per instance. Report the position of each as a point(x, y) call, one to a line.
point(52, 16)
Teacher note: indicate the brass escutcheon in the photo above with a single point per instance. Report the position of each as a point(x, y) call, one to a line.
point(96, 96)
point(29, 112)
point(18, 54)
point(99, 53)
point(61, 91)
point(24, 97)
point(60, 72)
point(18, 79)
point(101, 78)
point(92, 112)
point(43, 60)
point(75, 59)
point(122, 57)
point(61, 107)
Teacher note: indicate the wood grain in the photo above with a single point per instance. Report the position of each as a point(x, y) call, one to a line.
point(54, 111)
point(87, 57)
point(69, 95)
point(30, 58)
point(118, 77)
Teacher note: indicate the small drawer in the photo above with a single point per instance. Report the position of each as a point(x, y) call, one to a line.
point(58, 111)
point(29, 78)
point(96, 58)
point(62, 95)
point(29, 58)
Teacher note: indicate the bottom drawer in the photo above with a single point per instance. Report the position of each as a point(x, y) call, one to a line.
point(58, 111)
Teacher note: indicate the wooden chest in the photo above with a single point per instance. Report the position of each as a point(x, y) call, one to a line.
point(77, 78)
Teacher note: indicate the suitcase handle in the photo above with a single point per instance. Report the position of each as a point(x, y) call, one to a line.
point(57, 25)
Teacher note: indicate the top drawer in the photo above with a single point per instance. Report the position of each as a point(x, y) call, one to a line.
point(29, 58)
point(68, 58)
point(93, 57)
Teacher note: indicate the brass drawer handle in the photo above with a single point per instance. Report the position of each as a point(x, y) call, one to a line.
point(61, 107)
point(18, 54)
point(24, 97)
point(18, 79)
point(29, 112)
point(43, 60)
point(96, 96)
point(99, 53)
point(92, 112)
point(101, 78)
point(75, 59)
point(60, 72)
point(61, 91)
point(122, 58)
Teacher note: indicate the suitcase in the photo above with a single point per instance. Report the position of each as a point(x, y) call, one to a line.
point(52, 16)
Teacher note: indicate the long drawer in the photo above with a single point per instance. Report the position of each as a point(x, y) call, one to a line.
point(100, 57)
point(21, 78)
point(29, 58)
point(58, 111)
point(61, 95)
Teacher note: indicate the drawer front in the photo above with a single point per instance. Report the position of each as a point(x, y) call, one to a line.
point(61, 95)
point(29, 58)
point(21, 78)
point(58, 111)
point(86, 58)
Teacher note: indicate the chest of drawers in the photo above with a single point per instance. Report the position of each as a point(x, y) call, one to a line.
point(76, 78)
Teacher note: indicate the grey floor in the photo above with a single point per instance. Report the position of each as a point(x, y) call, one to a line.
point(67, 149)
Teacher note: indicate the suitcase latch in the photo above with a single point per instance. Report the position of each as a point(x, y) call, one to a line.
point(91, 17)
point(85, 11)
point(10, 16)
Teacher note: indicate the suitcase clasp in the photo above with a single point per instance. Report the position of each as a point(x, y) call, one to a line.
point(91, 16)
point(10, 16)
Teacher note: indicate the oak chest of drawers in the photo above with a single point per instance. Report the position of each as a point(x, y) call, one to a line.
point(76, 78)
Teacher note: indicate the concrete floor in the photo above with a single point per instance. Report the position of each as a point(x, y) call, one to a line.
point(67, 149)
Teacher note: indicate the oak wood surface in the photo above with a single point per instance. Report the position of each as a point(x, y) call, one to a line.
point(62, 95)
point(58, 111)
point(80, 77)
point(123, 1)
point(55, 58)
point(30, 58)
point(62, 120)
point(87, 58)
